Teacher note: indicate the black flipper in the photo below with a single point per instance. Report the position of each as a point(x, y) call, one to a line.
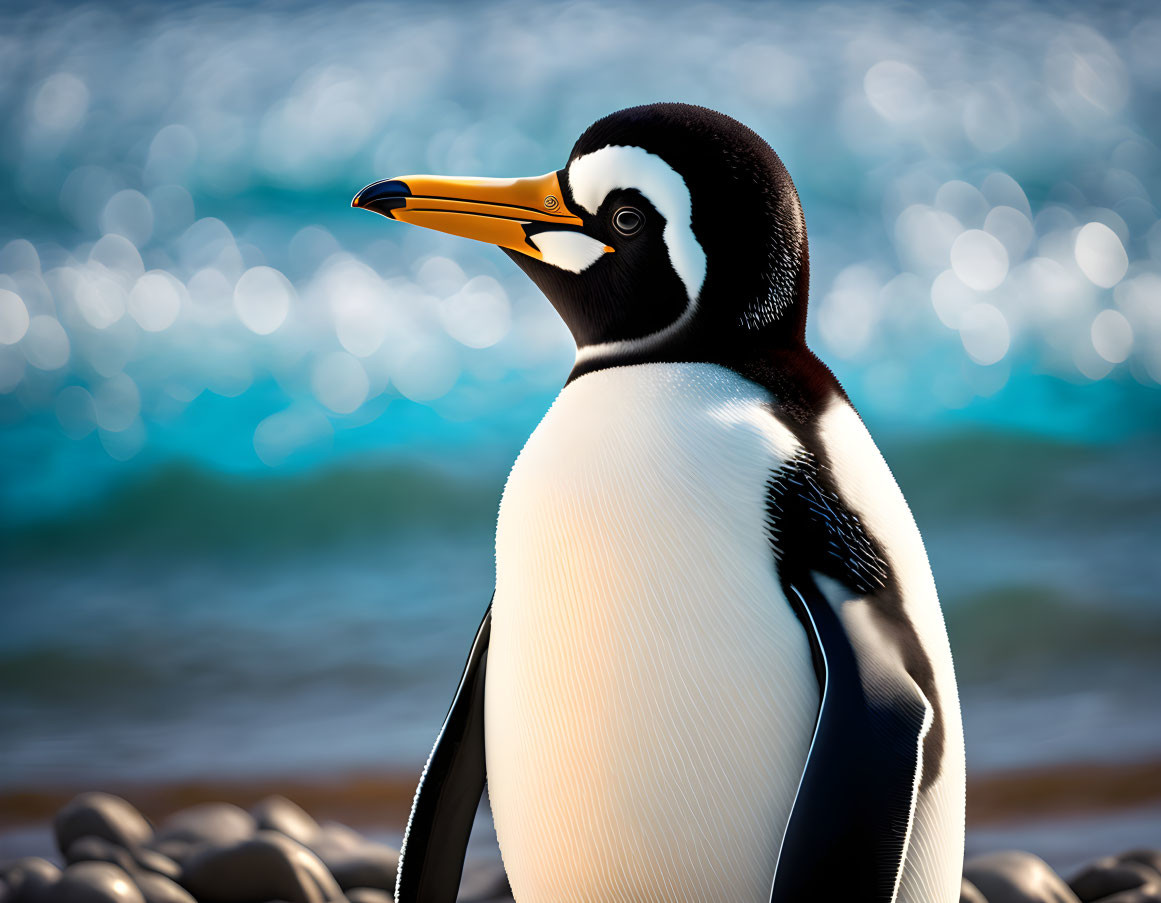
point(431, 861)
point(850, 825)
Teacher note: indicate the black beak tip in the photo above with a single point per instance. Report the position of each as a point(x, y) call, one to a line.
point(383, 197)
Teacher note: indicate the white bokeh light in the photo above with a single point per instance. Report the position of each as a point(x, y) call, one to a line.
point(950, 298)
point(1013, 229)
point(1112, 336)
point(130, 214)
point(76, 412)
point(1100, 255)
point(13, 317)
point(285, 432)
point(440, 276)
point(478, 315)
point(849, 311)
point(425, 369)
point(123, 445)
point(262, 299)
point(895, 90)
point(924, 236)
point(154, 302)
point(116, 403)
point(355, 294)
point(984, 333)
point(45, 344)
point(61, 103)
point(979, 260)
point(12, 367)
point(339, 382)
point(100, 298)
point(119, 256)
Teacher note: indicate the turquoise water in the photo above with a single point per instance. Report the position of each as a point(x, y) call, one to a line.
point(253, 440)
point(209, 626)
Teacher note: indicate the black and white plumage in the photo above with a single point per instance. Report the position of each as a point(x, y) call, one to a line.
point(714, 667)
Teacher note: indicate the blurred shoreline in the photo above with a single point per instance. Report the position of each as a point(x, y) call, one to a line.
point(381, 800)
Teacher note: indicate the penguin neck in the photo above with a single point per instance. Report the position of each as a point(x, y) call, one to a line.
point(706, 336)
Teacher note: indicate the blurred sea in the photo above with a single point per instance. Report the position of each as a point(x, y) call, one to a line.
point(253, 441)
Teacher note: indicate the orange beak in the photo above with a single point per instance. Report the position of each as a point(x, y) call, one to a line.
point(503, 212)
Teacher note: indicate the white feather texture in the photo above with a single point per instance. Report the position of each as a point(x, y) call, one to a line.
point(650, 695)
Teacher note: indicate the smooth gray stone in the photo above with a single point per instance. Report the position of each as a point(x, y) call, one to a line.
point(969, 893)
point(366, 865)
point(1150, 893)
point(29, 879)
point(149, 860)
point(221, 824)
point(336, 835)
point(1107, 876)
point(1015, 877)
point(100, 815)
point(159, 889)
point(177, 851)
point(277, 813)
point(1143, 856)
point(369, 895)
point(97, 849)
point(268, 866)
point(94, 882)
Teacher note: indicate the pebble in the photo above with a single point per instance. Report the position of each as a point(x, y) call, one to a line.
point(969, 893)
point(367, 865)
point(277, 813)
point(277, 853)
point(369, 895)
point(97, 849)
point(1015, 877)
point(1107, 876)
point(94, 882)
point(337, 835)
point(176, 851)
point(1148, 894)
point(100, 815)
point(29, 879)
point(1150, 858)
point(152, 861)
point(220, 824)
point(268, 866)
point(159, 889)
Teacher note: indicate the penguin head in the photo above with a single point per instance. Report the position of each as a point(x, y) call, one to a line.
point(672, 233)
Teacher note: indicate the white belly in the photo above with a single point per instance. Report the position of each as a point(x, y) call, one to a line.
point(650, 696)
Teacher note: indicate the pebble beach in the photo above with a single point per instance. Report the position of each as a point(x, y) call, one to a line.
point(106, 851)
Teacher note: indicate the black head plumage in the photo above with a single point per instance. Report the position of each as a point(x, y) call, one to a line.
point(744, 215)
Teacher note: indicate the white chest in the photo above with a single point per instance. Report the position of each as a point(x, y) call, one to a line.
point(650, 696)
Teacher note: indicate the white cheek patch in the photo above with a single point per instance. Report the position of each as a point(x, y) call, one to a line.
point(594, 175)
point(572, 251)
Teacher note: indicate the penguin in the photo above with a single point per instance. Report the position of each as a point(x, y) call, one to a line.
point(714, 666)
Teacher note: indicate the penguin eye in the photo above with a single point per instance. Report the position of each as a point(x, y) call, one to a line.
point(628, 220)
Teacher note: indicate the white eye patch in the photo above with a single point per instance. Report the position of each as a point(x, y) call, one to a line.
point(594, 175)
point(572, 251)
